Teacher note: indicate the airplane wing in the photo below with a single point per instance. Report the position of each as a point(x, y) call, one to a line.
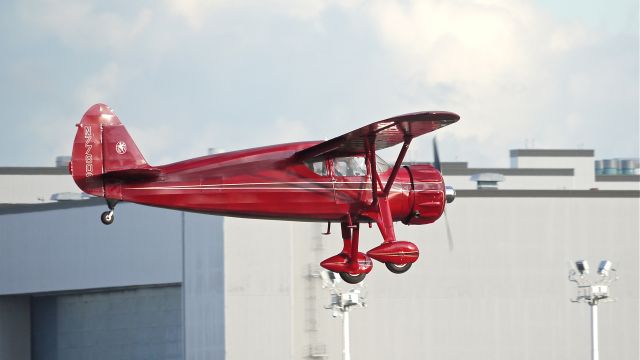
point(385, 133)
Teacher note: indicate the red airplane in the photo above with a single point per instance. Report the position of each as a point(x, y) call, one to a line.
point(340, 180)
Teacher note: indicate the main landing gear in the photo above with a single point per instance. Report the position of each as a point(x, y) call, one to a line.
point(107, 217)
point(398, 269)
point(352, 265)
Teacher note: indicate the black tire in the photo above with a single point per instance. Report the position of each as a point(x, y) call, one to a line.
point(398, 269)
point(352, 278)
point(107, 217)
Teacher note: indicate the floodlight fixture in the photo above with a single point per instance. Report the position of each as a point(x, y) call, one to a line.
point(604, 267)
point(583, 267)
point(329, 278)
point(593, 292)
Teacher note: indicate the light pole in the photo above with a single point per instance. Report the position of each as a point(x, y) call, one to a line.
point(341, 304)
point(593, 293)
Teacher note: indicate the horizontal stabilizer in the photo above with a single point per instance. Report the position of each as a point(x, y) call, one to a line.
point(134, 175)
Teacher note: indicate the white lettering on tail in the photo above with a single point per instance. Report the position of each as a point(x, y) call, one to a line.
point(88, 157)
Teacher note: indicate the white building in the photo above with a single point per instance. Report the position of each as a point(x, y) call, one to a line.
point(170, 285)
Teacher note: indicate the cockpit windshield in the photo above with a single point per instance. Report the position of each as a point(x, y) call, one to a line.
point(350, 166)
point(346, 166)
point(381, 165)
point(356, 166)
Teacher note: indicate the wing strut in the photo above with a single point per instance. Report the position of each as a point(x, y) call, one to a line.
point(375, 177)
point(396, 167)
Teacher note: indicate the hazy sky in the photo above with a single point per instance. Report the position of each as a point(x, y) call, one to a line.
point(186, 75)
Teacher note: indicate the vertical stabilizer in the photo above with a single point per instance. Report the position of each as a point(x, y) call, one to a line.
point(102, 145)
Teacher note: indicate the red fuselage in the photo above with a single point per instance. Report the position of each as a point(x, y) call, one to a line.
point(269, 182)
point(339, 180)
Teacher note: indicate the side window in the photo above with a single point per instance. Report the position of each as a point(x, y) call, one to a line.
point(350, 166)
point(318, 166)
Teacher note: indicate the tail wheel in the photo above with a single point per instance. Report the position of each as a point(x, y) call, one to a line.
point(107, 217)
point(398, 269)
point(352, 278)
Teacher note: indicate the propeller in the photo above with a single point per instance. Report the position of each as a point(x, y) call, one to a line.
point(436, 157)
point(450, 192)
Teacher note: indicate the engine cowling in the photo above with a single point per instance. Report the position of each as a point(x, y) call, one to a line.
point(428, 195)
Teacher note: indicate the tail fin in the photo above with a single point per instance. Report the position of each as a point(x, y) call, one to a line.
point(103, 146)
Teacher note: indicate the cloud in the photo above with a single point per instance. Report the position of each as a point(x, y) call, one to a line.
point(83, 25)
point(504, 67)
point(290, 70)
point(100, 86)
point(197, 13)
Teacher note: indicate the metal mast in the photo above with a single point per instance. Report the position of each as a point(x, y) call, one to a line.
point(593, 292)
point(341, 304)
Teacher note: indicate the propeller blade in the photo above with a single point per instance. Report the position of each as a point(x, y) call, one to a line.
point(436, 156)
point(438, 166)
point(449, 236)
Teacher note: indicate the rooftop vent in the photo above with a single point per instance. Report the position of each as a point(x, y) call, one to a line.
point(69, 196)
point(617, 167)
point(487, 180)
point(62, 161)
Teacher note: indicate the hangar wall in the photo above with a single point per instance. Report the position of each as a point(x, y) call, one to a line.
point(249, 288)
point(15, 328)
point(135, 323)
point(58, 253)
point(500, 293)
point(67, 248)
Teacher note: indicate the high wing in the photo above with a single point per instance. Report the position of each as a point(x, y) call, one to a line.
point(384, 133)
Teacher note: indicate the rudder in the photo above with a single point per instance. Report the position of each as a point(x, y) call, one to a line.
point(102, 145)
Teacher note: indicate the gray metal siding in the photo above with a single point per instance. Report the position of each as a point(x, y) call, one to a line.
point(203, 286)
point(71, 249)
point(143, 323)
point(15, 328)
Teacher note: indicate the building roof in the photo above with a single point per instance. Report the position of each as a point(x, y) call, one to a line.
point(33, 170)
point(27, 208)
point(552, 153)
point(463, 169)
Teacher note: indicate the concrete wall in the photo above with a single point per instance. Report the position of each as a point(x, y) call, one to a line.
point(584, 169)
point(203, 286)
point(500, 293)
point(512, 182)
point(17, 189)
point(617, 185)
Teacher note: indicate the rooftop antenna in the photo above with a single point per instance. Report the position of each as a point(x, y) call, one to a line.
point(341, 304)
point(592, 293)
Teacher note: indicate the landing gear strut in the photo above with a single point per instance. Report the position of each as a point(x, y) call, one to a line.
point(107, 217)
point(353, 266)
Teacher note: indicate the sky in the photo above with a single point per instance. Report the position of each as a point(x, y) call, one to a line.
point(188, 75)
